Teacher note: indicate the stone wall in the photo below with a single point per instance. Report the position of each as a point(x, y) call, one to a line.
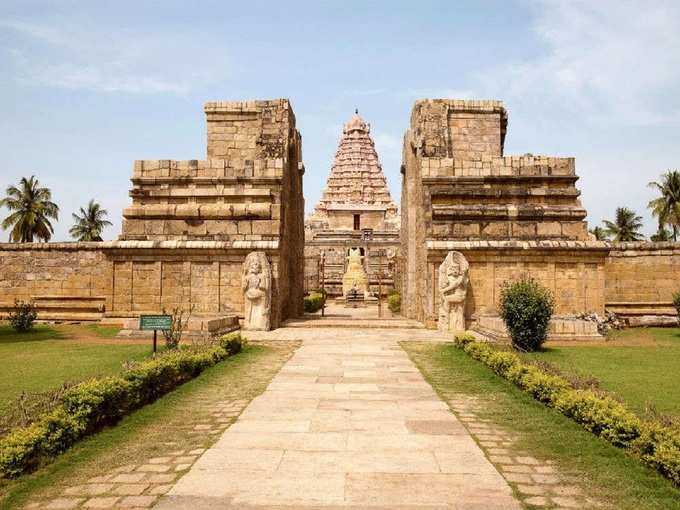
point(460, 190)
point(470, 190)
point(188, 230)
point(65, 280)
point(123, 279)
point(573, 270)
point(642, 277)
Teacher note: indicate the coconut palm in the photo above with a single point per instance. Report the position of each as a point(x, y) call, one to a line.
point(663, 234)
point(31, 208)
point(667, 207)
point(626, 226)
point(599, 233)
point(89, 224)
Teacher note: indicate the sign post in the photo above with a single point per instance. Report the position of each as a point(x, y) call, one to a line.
point(155, 322)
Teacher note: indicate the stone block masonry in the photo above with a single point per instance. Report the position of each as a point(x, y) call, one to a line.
point(458, 186)
point(355, 199)
point(187, 232)
point(641, 278)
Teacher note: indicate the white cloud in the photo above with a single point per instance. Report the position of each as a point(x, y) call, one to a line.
point(610, 58)
point(109, 79)
point(72, 57)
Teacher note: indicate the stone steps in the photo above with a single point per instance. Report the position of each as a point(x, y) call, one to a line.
point(353, 323)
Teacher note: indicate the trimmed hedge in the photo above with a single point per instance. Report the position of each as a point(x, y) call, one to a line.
point(676, 302)
point(654, 444)
point(314, 302)
point(88, 406)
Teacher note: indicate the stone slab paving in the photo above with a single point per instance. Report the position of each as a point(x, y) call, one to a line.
point(141, 484)
point(348, 422)
point(537, 481)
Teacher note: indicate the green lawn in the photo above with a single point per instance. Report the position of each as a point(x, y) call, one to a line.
point(598, 468)
point(152, 430)
point(642, 366)
point(46, 357)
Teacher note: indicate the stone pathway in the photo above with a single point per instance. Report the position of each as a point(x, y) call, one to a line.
point(140, 485)
point(177, 444)
point(349, 422)
point(538, 482)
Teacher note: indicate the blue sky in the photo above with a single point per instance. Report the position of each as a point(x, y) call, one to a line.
point(88, 87)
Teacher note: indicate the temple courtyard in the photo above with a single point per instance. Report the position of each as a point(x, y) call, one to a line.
point(326, 414)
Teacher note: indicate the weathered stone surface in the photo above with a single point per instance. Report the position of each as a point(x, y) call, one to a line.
point(507, 215)
point(257, 291)
point(186, 234)
point(388, 449)
point(354, 279)
point(356, 200)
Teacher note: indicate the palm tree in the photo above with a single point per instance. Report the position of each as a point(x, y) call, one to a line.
point(599, 233)
point(662, 234)
point(667, 207)
point(89, 225)
point(31, 208)
point(626, 226)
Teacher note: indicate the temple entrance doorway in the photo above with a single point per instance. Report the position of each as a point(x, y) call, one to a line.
point(357, 280)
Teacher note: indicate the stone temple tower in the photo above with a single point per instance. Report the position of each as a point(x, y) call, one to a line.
point(356, 195)
point(355, 211)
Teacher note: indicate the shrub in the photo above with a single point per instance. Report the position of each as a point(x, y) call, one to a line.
point(526, 307)
point(90, 405)
point(232, 343)
point(23, 316)
point(676, 302)
point(314, 302)
point(394, 301)
point(659, 448)
point(656, 445)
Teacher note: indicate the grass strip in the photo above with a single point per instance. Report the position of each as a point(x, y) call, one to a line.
point(601, 470)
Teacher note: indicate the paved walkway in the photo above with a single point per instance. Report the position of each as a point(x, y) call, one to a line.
point(348, 422)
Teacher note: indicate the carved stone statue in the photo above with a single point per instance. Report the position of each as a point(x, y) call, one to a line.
point(355, 279)
point(453, 283)
point(256, 283)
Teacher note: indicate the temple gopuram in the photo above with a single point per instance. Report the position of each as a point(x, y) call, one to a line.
point(355, 212)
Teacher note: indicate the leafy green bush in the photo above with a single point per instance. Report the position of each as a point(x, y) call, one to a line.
point(90, 405)
point(314, 302)
point(676, 302)
point(526, 307)
point(655, 444)
point(23, 316)
point(394, 301)
point(232, 343)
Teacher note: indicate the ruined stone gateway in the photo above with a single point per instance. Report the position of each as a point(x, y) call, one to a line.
point(192, 225)
point(187, 233)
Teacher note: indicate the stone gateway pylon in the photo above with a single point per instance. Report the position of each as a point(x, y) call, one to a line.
point(356, 211)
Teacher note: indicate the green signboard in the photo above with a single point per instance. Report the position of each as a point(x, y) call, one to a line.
point(154, 322)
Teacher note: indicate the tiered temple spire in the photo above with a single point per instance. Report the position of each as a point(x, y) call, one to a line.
point(356, 182)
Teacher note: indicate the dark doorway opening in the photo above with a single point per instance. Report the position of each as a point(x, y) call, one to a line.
point(357, 222)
